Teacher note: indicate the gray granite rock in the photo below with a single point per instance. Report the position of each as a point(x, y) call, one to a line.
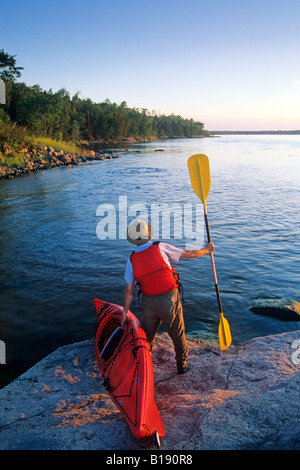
point(242, 398)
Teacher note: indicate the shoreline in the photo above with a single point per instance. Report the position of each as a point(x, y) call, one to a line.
point(45, 158)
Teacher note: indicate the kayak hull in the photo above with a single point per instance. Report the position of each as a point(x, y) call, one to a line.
point(125, 363)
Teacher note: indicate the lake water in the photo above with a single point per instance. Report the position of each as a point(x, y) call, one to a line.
point(53, 264)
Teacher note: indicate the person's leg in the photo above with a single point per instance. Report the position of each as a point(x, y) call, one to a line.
point(150, 320)
point(170, 311)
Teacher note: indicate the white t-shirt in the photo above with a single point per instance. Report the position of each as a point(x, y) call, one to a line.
point(169, 253)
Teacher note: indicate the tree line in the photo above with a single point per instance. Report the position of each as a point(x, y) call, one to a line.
point(63, 117)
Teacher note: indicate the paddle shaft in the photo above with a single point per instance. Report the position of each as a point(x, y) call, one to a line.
point(212, 261)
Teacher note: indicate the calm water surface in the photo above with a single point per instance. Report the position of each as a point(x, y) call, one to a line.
point(53, 264)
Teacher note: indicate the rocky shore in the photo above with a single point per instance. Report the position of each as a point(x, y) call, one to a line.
point(44, 158)
point(245, 398)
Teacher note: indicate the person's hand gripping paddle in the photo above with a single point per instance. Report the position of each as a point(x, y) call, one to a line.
point(198, 166)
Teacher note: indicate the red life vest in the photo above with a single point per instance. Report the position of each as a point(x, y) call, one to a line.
point(153, 275)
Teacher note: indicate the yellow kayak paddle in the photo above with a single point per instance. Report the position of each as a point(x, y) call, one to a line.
point(198, 166)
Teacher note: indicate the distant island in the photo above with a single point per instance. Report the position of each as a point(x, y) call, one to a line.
point(295, 132)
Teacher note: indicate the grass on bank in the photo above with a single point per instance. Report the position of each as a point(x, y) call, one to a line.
point(12, 161)
point(66, 147)
point(14, 139)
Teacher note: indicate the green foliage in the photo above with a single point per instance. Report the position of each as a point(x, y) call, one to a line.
point(61, 117)
point(12, 161)
point(8, 69)
point(13, 138)
point(4, 118)
point(42, 113)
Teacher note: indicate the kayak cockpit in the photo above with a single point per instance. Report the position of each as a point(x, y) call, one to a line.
point(112, 344)
point(110, 337)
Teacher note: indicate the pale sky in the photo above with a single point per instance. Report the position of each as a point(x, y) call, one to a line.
point(232, 64)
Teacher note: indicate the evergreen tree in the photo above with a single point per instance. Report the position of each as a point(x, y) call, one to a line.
point(8, 69)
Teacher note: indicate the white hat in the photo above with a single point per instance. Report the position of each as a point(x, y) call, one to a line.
point(139, 232)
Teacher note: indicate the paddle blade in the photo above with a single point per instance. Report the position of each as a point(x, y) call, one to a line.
point(224, 333)
point(198, 166)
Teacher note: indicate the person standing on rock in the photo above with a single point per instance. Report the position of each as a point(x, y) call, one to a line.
point(150, 266)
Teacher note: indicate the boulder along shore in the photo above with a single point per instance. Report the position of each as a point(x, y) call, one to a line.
point(44, 158)
point(244, 398)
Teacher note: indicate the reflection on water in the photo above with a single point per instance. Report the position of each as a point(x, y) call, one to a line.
point(53, 264)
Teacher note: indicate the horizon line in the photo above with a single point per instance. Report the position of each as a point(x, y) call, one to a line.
point(278, 131)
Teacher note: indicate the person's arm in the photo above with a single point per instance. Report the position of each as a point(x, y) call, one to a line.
point(128, 296)
point(209, 248)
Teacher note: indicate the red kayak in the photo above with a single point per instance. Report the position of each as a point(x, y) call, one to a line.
point(126, 367)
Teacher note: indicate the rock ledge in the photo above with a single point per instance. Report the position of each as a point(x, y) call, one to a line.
point(243, 398)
